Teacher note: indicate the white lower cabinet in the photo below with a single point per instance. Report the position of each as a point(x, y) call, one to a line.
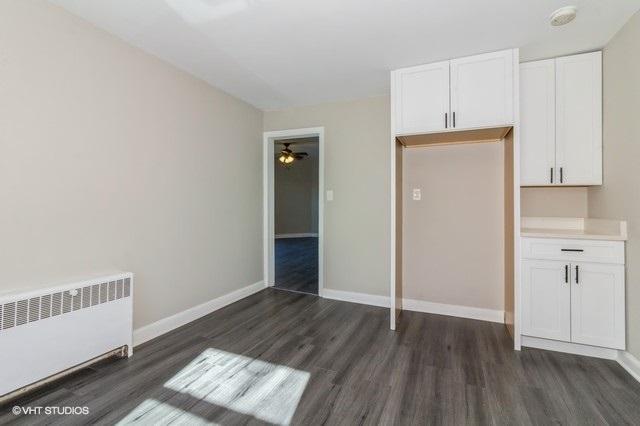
point(546, 300)
point(573, 301)
point(597, 305)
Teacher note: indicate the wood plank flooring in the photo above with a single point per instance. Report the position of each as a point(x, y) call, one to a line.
point(279, 357)
point(296, 261)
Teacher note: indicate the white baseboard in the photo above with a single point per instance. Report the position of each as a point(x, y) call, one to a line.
point(629, 363)
point(416, 305)
point(165, 325)
point(453, 310)
point(301, 235)
point(362, 298)
point(571, 348)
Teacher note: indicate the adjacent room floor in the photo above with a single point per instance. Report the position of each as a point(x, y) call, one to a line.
point(297, 264)
point(279, 357)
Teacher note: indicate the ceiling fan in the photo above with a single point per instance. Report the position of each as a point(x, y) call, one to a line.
point(287, 156)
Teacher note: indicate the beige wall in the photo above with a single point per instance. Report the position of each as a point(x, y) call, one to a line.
point(357, 170)
point(453, 249)
point(619, 197)
point(554, 202)
point(296, 192)
point(112, 159)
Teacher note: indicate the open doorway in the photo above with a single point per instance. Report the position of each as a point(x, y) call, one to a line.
point(293, 214)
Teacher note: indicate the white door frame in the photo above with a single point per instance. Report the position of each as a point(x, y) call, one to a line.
point(268, 215)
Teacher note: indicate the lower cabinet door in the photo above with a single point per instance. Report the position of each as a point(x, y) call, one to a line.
point(597, 305)
point(546, 299)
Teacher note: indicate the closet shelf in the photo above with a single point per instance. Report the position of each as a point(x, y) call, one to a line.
point(492, 134)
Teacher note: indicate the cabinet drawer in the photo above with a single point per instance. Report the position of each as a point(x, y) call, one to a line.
point(573, 250)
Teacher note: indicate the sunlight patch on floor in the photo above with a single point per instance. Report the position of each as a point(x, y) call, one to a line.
point(253, 387)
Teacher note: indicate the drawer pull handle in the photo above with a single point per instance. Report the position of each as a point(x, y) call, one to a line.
point(566, 274)
point(574, 250)
point(577, 275)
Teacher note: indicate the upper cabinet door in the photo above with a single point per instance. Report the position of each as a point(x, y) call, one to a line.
point(482, 90)
point(597, 305)
point(421, 96)
point(538, 123)
point(579, 119)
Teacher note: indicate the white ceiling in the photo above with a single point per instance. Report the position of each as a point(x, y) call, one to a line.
point(283, 53)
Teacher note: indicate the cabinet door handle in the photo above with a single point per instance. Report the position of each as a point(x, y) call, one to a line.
point(566, 274)
point(551, 175)
point(446, 121)
point(576, 250)
point(577, 274)
point(561, 175)
point(454, 119)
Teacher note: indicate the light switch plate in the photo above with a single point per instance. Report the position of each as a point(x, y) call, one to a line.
point(417, 194)
point(329, 195)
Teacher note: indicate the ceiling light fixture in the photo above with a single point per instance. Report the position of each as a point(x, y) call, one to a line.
point(563, 16)
point(287, 156)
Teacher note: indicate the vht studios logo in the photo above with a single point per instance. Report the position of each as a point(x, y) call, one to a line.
point(51, 411)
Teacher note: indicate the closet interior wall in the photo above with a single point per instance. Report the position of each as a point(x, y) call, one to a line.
point(454, 236)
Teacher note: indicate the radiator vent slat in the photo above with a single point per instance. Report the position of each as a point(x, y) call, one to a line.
point(9, 316)
point(103, 292)
point(34, 309)
point(112, 291)
point(95, 294)
point(76, 301)
point(56, 304)
point(13, 314)
point(86, 297)
point(22, 312)
point(119, 289)
point(66, 302)
point(45, 306)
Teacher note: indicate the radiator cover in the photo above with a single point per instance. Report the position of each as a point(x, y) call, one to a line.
point(47, 331)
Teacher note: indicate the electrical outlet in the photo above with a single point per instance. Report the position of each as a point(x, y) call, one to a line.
point(329, 195)
point(417, 194)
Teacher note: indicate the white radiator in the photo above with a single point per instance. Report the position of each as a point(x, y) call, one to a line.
point(48, 331)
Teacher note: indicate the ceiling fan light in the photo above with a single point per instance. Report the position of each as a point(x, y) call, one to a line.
point(289, 159)
point(282, 158)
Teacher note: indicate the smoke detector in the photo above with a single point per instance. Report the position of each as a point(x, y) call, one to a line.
point(563, 16)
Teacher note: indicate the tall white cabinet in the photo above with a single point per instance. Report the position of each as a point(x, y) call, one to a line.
point(561, 121)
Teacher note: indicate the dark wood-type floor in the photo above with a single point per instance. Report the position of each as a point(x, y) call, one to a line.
point(279, 356)
point(296, 262)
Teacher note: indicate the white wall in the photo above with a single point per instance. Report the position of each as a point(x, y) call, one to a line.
point(113, 159)
point(296, 192)
point(619, 197)
point(357, 170)
point(453, 243)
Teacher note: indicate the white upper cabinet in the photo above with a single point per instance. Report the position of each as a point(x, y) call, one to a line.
point(538, 122)
point(482, 90)
point(561, 121)
point(579, 119)
point(459, 94)
point(422, 98)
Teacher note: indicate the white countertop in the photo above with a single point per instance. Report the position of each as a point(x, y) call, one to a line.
point(578, 228)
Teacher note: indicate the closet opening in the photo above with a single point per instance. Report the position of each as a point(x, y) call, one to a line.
point(455, 225)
